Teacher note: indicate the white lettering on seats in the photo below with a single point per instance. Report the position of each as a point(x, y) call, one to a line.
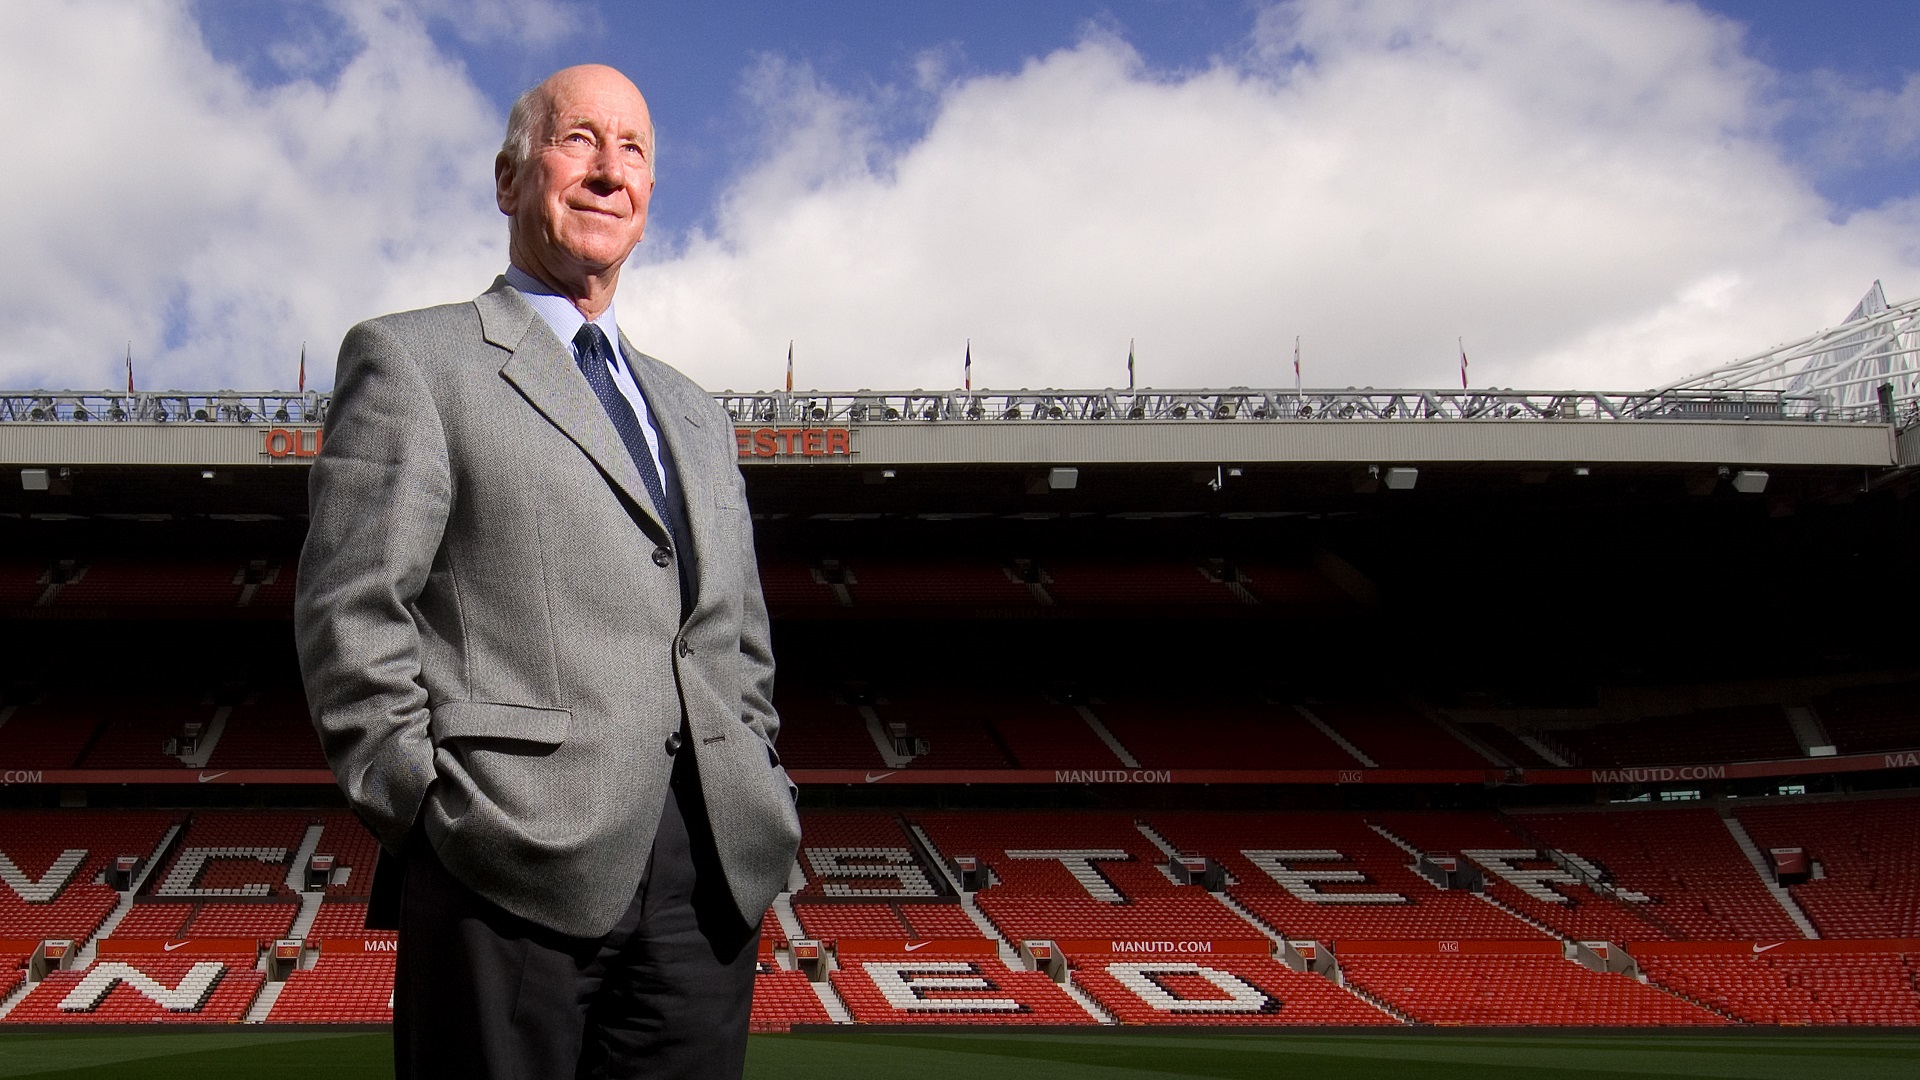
point(1242, 996)
point(51, 882)
point(868, 864)
point(902, 985)
point(1079, 862)
point(1536, 882)
point(1580, 863)
point(192, 992)
point(184, 878)
point(1301, 883)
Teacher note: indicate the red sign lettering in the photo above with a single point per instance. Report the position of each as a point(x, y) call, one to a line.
point(769, 442)
point(292, 442)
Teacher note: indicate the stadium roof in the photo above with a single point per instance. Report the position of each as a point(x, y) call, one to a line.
point(1234, 426)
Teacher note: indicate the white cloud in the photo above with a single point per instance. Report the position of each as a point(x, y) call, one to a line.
point(155, 196)
point(1587, 193)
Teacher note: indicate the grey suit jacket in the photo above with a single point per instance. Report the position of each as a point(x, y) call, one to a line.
point(489, 643)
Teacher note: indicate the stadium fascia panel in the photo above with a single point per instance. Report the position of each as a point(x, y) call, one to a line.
point(1207, 427)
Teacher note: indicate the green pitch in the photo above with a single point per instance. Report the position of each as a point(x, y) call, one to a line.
point(1102, 1056)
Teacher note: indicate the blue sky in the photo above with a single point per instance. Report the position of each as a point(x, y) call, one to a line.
point(692, 59)
point(1596, 193)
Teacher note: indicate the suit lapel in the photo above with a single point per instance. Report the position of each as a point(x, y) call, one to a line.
point(678, 422)
point(543, 371)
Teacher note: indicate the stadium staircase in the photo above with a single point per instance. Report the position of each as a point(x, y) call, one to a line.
point(1759, 863)
point(1337, 738)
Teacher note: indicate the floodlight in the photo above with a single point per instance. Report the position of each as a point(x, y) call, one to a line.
point(1750, 481)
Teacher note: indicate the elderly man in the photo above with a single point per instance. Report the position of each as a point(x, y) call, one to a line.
point(532, 636)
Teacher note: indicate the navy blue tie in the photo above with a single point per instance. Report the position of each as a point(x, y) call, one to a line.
point(594, 354)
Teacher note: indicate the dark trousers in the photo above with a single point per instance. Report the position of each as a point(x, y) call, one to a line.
point(482, 994)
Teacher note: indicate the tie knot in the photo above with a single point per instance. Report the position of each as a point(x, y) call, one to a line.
point(592, 342)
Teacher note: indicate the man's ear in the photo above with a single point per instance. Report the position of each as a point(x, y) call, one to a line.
point(504, 175)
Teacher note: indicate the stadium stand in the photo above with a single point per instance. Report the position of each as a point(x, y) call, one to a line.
point(230, 854)
point(1040, 734)
point(272, 731)
point(13, 964)
point(1217, 989)
point(1741, 733)
point(1684, 858)
point(1324, 876)
point(1283, 584)
point(222, 920)
point(343, 919)
point(1085, 583)
point(956, 732)
point(52, 864)
point(49, 733)
point(1867, 851)
point(1866, 719)
point(1522, 874)
point(860, 854)
point(1395, 735)
point(936, 583)
point(789, 587)
point(782, 999)
point(20, 584)
point(1182, 733)
point(142, 583)
point(947, 983)
point(1078, 875)
point(819, 732)
point(212, 985)
point(135, 731)
point(1501, 984)
point(342, 987)
point(1508, 745)
point(827, 922)
point(153, 919)
point(1869, 984)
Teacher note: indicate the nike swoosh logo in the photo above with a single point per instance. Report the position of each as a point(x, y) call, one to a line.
point(872, 779)
point(1759, 948)
point(171, 945)
point(918, 945)
point(204, 777)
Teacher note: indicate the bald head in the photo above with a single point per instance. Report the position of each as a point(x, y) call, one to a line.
point(574, 178)
point(533, 110)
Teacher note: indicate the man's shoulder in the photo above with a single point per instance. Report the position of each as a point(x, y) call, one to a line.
point(436, 321)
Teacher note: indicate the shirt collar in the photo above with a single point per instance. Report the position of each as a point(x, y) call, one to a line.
point(559, 313)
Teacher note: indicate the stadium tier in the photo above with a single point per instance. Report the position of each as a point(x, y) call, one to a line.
point(1860, 982)
point(1219, 708)
point(1164, 917)
point(1496, 984)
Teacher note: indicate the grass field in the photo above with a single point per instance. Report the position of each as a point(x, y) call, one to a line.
point(1101, 1056)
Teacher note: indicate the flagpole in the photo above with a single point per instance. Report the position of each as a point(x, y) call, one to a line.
point(1463, 362)
point(129, 367)
point(1129, 364)
point(1296, 365)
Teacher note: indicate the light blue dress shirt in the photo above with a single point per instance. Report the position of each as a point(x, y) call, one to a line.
point(559, 313)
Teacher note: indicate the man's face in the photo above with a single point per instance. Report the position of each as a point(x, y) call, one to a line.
point(578, 204)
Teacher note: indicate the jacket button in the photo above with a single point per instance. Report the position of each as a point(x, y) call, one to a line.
point(673, 743)
point(685, 649)
point(662, 556)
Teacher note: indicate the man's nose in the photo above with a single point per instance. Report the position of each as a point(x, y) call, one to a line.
point(603, 171)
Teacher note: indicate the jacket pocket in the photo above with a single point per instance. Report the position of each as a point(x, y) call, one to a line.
point(489, 720)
